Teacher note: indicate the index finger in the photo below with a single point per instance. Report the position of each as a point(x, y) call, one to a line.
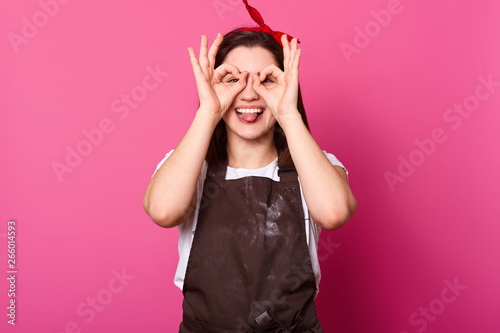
point(214, 48)
point(272, 70)
point(286, 49)
point(224, 69)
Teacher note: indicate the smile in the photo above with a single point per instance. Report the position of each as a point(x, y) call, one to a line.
point(249, 115)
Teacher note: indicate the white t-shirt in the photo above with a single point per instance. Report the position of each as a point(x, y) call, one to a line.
point(186, 230)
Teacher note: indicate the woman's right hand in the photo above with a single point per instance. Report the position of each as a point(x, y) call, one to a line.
point(215, 95)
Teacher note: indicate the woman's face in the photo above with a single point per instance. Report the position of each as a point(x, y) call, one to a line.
point(244, 124)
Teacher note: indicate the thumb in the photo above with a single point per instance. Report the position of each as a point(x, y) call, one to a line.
point(240, 85)
point(257, 85)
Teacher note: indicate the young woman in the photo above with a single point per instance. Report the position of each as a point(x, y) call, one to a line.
point(250, 190)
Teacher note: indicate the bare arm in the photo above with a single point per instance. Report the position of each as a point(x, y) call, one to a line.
point(171, 194)
point(327, 194)
point(326, 191)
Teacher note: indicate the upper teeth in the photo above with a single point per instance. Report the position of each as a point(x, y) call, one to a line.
point(249, 110)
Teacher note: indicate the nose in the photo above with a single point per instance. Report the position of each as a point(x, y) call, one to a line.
point(248, 93)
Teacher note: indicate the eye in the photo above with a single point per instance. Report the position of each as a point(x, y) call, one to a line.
point(268, 79)
point(230, 79)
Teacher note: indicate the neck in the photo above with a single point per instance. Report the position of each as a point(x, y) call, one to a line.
point(251, 154)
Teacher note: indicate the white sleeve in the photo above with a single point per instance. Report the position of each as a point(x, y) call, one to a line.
point(162, 161)
point(334, 160)
point(201, 177)
point(315, 229)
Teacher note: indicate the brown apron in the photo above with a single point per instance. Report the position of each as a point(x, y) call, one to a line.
point(249, 269)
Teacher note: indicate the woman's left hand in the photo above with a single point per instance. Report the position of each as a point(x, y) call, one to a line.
point(281, 95)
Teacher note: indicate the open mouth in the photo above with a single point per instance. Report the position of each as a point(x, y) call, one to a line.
point(249, 115)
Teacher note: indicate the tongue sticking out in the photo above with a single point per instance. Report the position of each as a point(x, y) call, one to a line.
point(249, 117)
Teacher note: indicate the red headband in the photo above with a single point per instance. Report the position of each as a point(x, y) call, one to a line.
point(254, 13)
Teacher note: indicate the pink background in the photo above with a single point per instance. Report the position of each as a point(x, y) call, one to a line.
point(381, 272)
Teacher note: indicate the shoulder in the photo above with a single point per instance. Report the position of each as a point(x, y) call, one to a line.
point(203, 168)
point(335, 161)
point(162, 161)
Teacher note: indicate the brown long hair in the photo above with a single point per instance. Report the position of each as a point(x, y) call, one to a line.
point(217, 149)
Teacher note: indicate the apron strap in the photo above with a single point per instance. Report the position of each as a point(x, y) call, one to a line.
point(287, 174)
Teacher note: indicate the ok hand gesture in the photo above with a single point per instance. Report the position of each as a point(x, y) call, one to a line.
point(281, 98)
point(215, 97)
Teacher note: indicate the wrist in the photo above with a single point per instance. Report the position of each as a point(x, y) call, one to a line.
point(207, 117)
point(290, 119)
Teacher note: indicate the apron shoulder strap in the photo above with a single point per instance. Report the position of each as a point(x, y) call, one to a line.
point(287, 174)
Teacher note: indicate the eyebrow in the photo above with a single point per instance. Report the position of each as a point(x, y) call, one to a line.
point(229, 73)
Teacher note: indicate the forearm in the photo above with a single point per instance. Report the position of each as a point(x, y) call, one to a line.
point(326, 192)
point(171, 192)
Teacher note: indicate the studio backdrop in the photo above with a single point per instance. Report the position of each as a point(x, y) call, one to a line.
point(406, 94)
